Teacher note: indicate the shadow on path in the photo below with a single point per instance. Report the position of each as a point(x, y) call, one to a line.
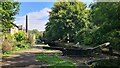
point(25, 59)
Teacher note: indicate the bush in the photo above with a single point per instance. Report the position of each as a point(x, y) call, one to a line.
point(6, 46)
point(20, 36)
point(21, 41)
point(31, 38)
point(22, 45)
point(9, 37)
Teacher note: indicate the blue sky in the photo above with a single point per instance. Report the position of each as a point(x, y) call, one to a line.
point(27, 7)
point(37, 14)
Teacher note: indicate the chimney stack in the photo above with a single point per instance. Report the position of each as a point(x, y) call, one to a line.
point(27, 25)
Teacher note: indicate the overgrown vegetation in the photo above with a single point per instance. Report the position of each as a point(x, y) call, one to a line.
point(15, 42)
point(68, 21)
point(10, 42)
point(8, 10)
point(104, 17)
point(38, 35)
point(111, 63)
point(65, 20)
point(72, 21)
point(20, 36)
point(55, 61)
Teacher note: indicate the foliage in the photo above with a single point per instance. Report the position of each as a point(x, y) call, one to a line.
point(9, 48)
point(31, 38)
point(8, 10)
point(111, 63)
point(106, 17)
point(21, 40)
point(6, 46)
point(104, 26)
point(36, 32)
point(94, 26)
point(10, 37)
point(55, 61)
point(9, 44)
point(65, 20)
point(38, 35)
point(15, 49)
point(22, 45)
point(20, 36)
point(6, 43)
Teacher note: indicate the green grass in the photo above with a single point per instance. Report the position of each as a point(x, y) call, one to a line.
point(55, 61)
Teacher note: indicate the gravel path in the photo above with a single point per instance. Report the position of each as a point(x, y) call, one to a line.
point(25, 59)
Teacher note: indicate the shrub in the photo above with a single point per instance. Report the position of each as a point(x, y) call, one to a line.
point(31, 38)
point(22, 45)
point(20, 36)
point(6, 46)
point(9, 37)
point(21, 41)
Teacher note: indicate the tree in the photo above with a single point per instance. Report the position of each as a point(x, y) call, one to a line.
point(65, 20)
point(104, 25)
point(37, 33)
point(8, 10)
point(20, 36)
point(106, 16)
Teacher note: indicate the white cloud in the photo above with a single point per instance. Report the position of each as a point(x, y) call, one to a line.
point(36, 20)
point(86, 0)
point(51, 0)
point(40, 14)
point(35, 0)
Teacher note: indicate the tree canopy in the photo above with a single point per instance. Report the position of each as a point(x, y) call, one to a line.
point(106, 16)
point(8, 10)
point(72, 21)
point(65, 20)
point(37, 33)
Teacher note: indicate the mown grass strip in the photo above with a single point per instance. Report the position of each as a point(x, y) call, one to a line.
point(55, 61)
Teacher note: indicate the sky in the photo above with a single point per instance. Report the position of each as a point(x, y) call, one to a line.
point(37, 14)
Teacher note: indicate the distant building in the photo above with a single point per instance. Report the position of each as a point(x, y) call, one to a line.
point(13, 30)
point(16, 29)
point(20, 27)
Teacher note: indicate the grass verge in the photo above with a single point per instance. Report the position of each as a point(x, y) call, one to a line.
point(55, 61)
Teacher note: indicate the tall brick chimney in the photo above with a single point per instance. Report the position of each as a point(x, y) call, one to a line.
point(27, 25)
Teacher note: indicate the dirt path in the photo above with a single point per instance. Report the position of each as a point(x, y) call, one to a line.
point(25, 59)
